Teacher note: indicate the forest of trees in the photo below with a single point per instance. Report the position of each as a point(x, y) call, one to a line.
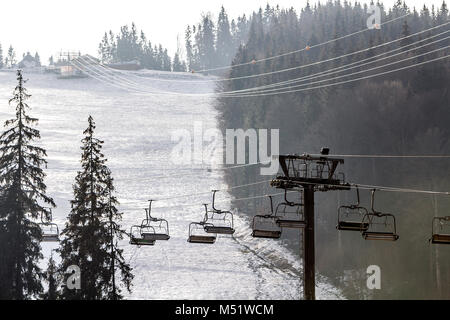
point(91, 233)
point(209, 44)
point(401, 113)
point(130, 45)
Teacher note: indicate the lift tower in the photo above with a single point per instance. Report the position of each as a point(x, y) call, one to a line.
point(310, 173)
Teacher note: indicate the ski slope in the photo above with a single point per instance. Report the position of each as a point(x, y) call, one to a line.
point(137, 131)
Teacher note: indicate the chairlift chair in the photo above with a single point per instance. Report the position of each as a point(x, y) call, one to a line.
point(197, 232)
point(350, 217)
point(137, 238)
point(440, 230)
point(154, 228)
point(49, 230)
point(265, 226)
point(381, 226)
point(218, 221)
point(290, 214)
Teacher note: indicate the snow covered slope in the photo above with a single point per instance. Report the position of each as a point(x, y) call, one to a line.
point(137, 132)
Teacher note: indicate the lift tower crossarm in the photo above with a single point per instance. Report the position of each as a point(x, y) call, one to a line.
point(309, 173)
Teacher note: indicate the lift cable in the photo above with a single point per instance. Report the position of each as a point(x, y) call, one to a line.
point(334, 78)
point(258, 94)
point(353, 186)
point(356, 64)
point(338, 69)
point(340, 82)
point(387, 156)
point(93, 62)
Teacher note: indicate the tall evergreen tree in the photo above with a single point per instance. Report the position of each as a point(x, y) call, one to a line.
point(224, 43)
point(23, 192)
point(92, 231)
point(178, 65)
point(52, 279)
point(37, 58)
point(11, 58)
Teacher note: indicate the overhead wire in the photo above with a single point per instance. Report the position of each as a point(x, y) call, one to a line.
point(277, 92)
point(303, 49)
point(291, 68)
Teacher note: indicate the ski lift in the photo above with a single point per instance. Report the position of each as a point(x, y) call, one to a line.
point(441, 230)
point(49, 230)
point(197, 232)
point(381, 226)
point(265, 226)
point(289, 214)
point(218, 221)
point(137, 238)
point(350, 217)
point(154, 228)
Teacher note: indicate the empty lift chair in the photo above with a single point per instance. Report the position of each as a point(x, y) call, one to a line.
point(197, 233)
point(265, 226)
point(218, 221)
point(154, 228)
point(290, 214)
point(49, 230)
point(350, 217)
point(136, 237)
point(381, 226)
point(440, 233)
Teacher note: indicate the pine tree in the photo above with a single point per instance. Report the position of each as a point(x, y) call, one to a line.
point(52, 279)
point(189, 49)
point(11, 58)
point(224, 43)
point(37, 58)
point(178, 65)
point(91, 232)
point(104, 49)
point(23, 192)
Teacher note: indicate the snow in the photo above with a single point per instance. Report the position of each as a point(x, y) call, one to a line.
point(137, 132)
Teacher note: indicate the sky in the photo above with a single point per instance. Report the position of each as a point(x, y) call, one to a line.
point(49, 26)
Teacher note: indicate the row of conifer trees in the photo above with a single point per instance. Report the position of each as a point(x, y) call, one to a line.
point(90, 235)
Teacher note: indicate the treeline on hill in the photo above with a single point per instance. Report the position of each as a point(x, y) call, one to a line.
point(208, 44)
point(10, 60)
point(90, 234)
point(403, 113)
point(130, 45)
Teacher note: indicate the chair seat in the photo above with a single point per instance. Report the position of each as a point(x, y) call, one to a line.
point(202, 239)
point(388, 236)
point(441, 238)
point(142, 242)
point(352, 226)
point(155, 236)
point(296, 224)
point(220, 230)
point(266, 234)
point(50, 238)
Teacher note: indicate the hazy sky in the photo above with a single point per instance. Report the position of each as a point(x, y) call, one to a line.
point(48, 26)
